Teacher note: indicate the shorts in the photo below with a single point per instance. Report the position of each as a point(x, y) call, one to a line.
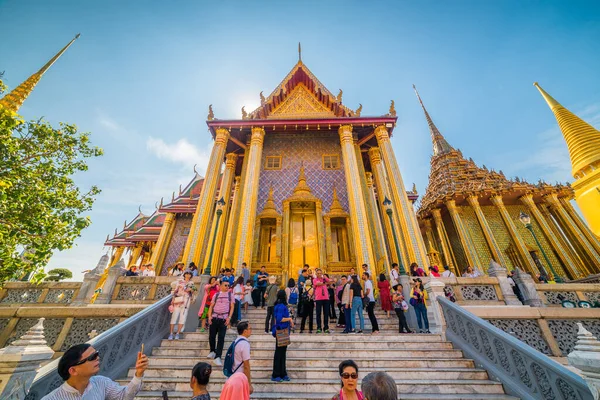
point(205, 313)
point(180, 312)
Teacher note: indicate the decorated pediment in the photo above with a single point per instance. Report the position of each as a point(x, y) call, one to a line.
point(301, 103)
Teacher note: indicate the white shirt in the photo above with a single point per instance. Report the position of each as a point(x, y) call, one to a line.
point(448, 274)
point(395, 276)
point(99, 388)
point(148, 272)
point(238, 292)
point(242, 353)
point(369, 286)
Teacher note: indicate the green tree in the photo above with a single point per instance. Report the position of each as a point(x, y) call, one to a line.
point(58, 274)
point(40, 205)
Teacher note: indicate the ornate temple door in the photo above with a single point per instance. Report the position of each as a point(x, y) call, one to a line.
point(304, 246)
point(339, 240)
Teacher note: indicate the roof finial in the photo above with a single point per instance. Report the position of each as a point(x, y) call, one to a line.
point(211, 114)
point(299, 52)
point(440, 145)
point(13, 100)
point(140, 209)
point(392, 112)
point(196, 172)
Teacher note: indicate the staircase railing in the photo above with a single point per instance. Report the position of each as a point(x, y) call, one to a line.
point(523, 371)
point(118, 347)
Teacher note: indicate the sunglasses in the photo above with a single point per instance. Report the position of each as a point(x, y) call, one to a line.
point(94, 356)
point(346, 375)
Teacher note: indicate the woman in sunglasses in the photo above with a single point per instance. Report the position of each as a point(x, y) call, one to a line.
point(349, 374)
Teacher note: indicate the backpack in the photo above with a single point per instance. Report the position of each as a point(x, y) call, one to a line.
point(341, 293)
point(229, 359)
point(293, 296)
point(217, 296)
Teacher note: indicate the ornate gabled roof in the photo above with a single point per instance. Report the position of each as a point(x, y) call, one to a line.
point(301, 95)
point(13, 100)
point(583, 140)
point(150, 230)
point(187, 199)
point(122, 238)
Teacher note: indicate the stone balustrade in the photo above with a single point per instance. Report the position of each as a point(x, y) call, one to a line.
point(144, 290)
point(554, 294)
point(484, 290)
point(25, 294)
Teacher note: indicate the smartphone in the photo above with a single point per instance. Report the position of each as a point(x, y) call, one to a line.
point(142, 349)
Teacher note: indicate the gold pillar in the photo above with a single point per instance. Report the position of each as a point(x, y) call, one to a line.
point(321, 235)
point(356, 200)
point(570, 263)
point(225, 194)
point(377, 222)
point(204, 210)
point(249, 197)
point(580, 224)
point(577, 237)
point(512, 230)
point(285, 238)
point(384, 192)
point(499, 256)
point(231, 221)
point(444, 240)
point(463, 235)
point(135, 254)
point(408, 220)
point(116, 256)
point(163, 242)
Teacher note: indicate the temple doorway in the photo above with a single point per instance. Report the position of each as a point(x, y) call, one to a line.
point(304, 248)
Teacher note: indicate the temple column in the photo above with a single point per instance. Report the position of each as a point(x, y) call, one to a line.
point(328, 241)
point(321, 235)
point(226, 259)
point(200, 223)
point(487, 232)
point(580, 224)
point(356, 201)
point(135, 254)
point(463, 235)
point(278, 233)
point(512, 230)
point(408, 220)
point(570, 228)
point(285, 237)
point(384, 192)
point(432, 253)
point(225, 194)
point(570, 263)
point(163, 242)
point(372, 200)
point(249, 195)
point(444, 240)
point(116, 256)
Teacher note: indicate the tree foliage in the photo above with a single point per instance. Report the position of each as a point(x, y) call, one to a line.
point(58, 274)
point(40, 205)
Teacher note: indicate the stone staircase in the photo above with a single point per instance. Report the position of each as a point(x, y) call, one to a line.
point(425, 366)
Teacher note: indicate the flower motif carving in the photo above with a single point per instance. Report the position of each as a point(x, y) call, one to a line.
point(567, 391)
point(486, 345)
point(133, 292)
point(82, 326)
point(112, 357)
point(162, 291)
point(18, 296)
point(526, 330)
point(543, 382)
point(565, 332)
point(52, 328)
point(502, 355)
point(558, 297)
point(593, 297)
point(59, 296)
point(521, 368)
point(478, 292)
point(472, 335)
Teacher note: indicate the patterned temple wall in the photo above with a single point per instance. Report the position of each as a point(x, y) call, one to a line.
point(477, 237)
point(177, 244)
point(295, 149)
point(457, 248)
point(494, 220)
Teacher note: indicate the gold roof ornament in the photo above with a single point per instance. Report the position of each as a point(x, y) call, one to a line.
point(211, 114)
point(299, 52)
point(583, 140)
point(358, 110)
point(13, 100)
point(302, 187)
point(392, 112)
point(244, 113)
point(262, 98)
point(440, 145)
point(270, 203)
point(339, 96)
point(336, 206)
point(414, 188)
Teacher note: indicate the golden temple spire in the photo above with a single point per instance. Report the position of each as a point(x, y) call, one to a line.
point(299, 53)
point(302, 187)
point(583, 140)
point(336, 206)
point(14, 100)
point(440, 145)
point(270, 203)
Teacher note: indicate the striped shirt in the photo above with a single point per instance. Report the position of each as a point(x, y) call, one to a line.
point(99, 388)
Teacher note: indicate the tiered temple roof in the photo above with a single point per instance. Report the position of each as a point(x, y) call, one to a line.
point(187, 199)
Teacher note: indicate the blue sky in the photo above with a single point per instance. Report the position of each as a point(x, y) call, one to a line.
point(143, 73)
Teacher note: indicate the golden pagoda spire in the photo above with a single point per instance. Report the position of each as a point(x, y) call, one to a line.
point(299, 53)
point(440, 145)
point(302, 187)
point(583, 140)
point(270, 203)
point(336, 206)
point(13, 100)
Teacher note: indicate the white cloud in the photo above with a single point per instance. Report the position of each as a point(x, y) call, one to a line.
point(181, 152)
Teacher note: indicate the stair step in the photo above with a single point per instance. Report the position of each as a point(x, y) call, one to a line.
point(335, 336)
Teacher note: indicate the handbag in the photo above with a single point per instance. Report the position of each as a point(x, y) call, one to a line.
point(283, 337)
point(404, 305)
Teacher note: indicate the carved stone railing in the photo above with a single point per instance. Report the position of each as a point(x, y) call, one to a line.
point(143, 290)
point(523, 371)
point(118, 346)
point(43, 294)
point(554, 294)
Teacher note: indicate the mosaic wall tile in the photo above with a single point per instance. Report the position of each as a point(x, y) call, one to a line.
point(477, 237)
point(498, 228)
point(295, 150)
point(175, 250)
point(457, 249)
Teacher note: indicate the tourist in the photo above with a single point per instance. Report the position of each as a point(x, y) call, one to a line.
point(283, 321)
point(515, 287)
point(384, 294)
point(199, 381)
point(78, 367)
point(180, 302)
point(301, 280)
point(542, 278)
point(307, 306)
point(245, 272)
point(357, 305)
point(248, 295)
point(346, 304)
point(256, 295)
point(221, 274)
point(400, 307)
point(219, 315)
point(370, 294)
point(241, 356)
point(193, 269)
point(394, 275)
point(471, 272)
point(349, 375)
point(210, 289)
point(271, 297)
point(321, 301)
point(177, 269)
point(341, 322)
point(238, 295)
point(379, 386)
point(351, 274)
point(291, 292)
point(331, 294)
point(447, 273)
point(229, 277)
point(132, 271)
point(150, 270)
point(142, 270)
point(236, 387)
point(415, 270)
point(418, 300)
point(261, 282)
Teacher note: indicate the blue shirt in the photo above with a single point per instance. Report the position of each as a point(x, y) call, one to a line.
point(230, 279)
point(280, 312)
point(262, 283)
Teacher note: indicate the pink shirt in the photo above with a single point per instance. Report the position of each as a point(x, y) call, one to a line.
point(222, 304)
point(321, 292)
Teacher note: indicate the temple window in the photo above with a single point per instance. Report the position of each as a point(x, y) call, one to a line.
point(331, 161)
point(273, 162)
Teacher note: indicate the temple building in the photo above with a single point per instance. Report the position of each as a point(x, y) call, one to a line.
point(470, 215)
